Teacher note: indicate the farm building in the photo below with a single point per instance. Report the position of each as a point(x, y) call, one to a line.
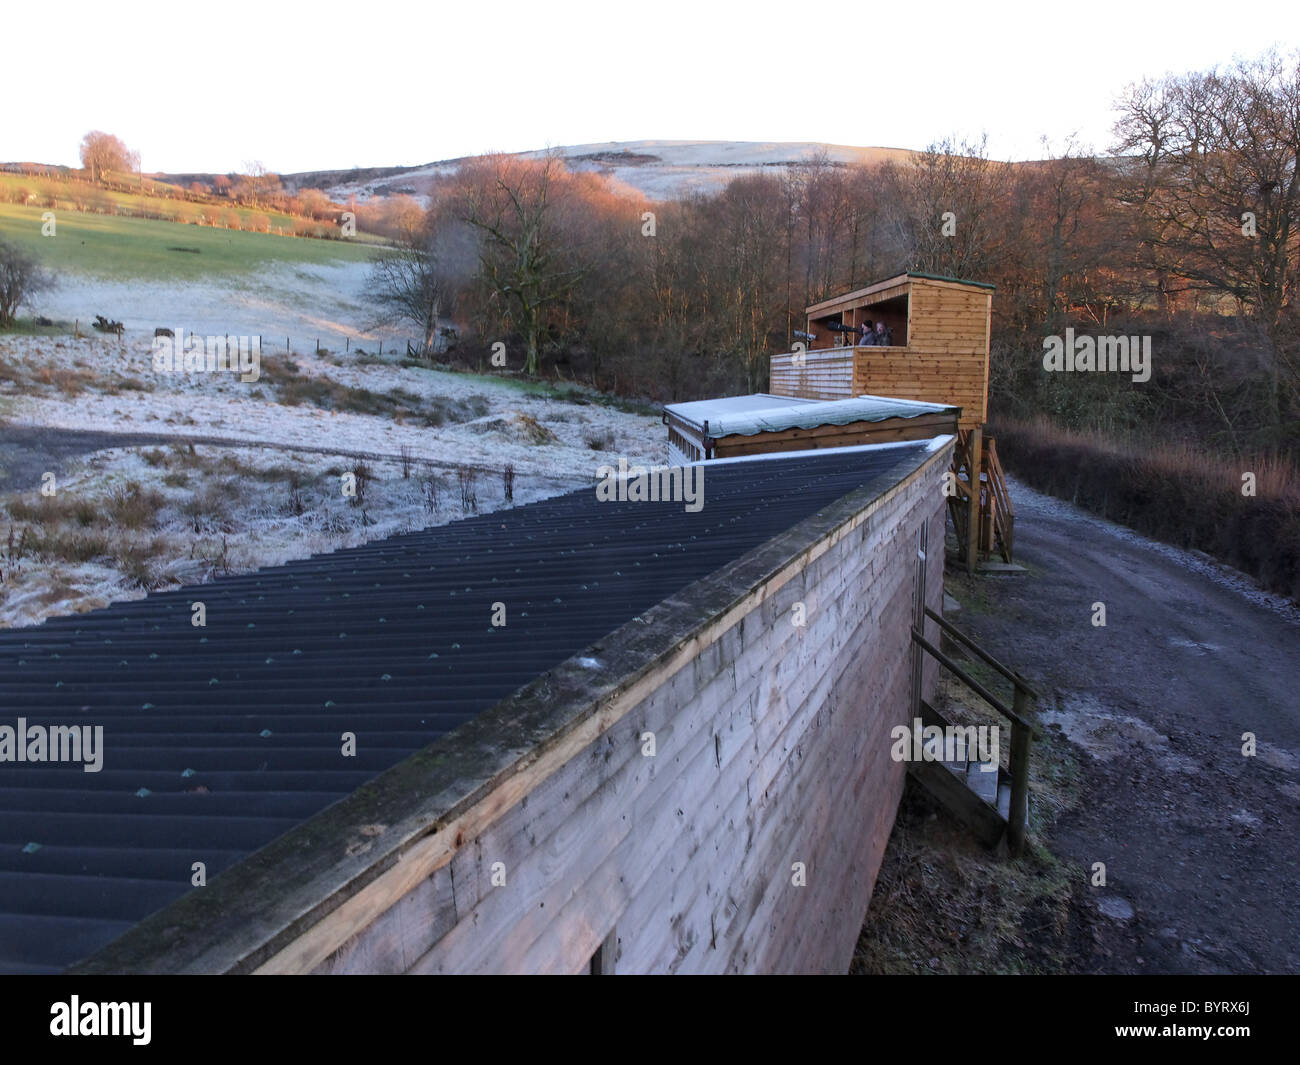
point(762, 424)
point(672, 756)
point(941, 328)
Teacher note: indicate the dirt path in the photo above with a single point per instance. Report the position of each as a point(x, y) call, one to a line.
point(1202, 842)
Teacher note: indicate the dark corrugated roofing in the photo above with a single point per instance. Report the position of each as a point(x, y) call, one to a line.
point(219, 739)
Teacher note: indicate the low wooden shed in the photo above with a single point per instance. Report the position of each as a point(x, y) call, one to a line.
point(761, 424)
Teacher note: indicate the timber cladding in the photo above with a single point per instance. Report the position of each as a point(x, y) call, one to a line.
point(818, 375)
point(947, 355)
point(851, 434)
point(941, 355)
point(547, 827)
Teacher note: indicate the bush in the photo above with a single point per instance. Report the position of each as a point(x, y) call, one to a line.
point(600, 440)
point(1172, 492)
point(134, 507)
point(21, 277)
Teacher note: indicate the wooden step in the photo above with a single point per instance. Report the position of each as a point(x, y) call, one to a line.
point(953, 793)
point(964, 789)
point(982, 783)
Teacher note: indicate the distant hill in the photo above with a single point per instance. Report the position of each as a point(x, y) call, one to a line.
point(659, 169)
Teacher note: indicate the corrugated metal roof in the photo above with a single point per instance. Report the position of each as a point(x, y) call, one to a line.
point(219, 739)
point(725, 417)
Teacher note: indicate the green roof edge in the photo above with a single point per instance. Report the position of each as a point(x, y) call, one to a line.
point(954, 280)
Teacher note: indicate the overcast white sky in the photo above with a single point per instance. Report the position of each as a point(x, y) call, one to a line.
point(305, 86)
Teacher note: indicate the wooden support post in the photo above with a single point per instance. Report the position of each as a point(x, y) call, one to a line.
point(973, 524)
point(1018, 817)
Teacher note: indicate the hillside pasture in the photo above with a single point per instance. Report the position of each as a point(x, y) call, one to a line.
point(123, 248)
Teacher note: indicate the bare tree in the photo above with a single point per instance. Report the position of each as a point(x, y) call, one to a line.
point(1218, 203)
point(945, 208)
point(517, 206)
point(262, 184)
point(102, 152)
point(417, 282)
point(21, 277)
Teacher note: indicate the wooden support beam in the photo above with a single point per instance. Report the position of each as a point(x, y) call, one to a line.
point(1021, 739)
point(973, 526)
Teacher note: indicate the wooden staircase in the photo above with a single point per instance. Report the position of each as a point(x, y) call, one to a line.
point(993, 806)
point(979, 799)
point(996, 520)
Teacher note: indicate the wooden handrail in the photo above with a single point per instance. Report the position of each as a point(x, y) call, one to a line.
point(1022, 732)
point(973, 684)
point(971, 645)
point(1004, 512)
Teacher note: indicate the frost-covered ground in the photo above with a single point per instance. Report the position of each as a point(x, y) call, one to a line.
point(124, 520)
point(303, 302)
point(97, 383)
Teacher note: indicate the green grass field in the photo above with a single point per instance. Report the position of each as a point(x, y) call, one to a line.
point(121, 248)
point(156, 201)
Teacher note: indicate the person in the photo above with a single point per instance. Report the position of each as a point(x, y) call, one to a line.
point(884, 335)
point(866, 335)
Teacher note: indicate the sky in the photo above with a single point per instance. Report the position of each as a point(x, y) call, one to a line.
point(210, 87)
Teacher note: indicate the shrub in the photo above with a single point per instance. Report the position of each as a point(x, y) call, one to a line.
point(1171, 491)
point(467, 480)
point(600, 440)
point(134, 507)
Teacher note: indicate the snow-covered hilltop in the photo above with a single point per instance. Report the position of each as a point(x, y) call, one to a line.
point(658, 169)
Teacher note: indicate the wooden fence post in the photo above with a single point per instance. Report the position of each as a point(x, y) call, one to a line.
point(1021, 738)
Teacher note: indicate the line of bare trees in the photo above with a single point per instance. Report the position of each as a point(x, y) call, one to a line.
point(1189, 230)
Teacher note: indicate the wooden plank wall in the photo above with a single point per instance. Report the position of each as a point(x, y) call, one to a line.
point(824, 375)
point(772, 747)
point(947, 358)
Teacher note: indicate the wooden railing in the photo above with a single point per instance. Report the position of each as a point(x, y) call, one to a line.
point(996, 518)
point(1023, 732)
point(1002, 533)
